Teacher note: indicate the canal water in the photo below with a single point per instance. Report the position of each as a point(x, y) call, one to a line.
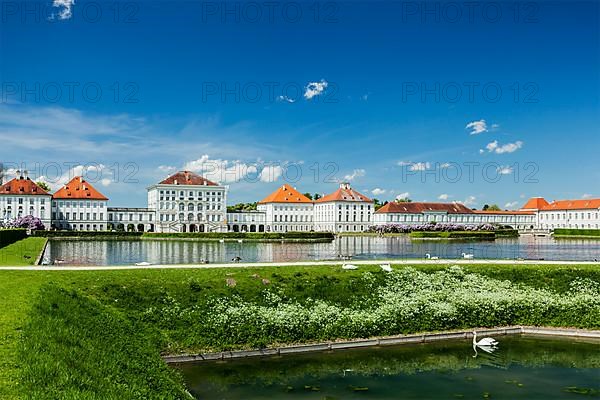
point(521, 368)
point(127, 252)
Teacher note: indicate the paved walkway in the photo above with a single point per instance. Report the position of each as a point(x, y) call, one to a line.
point(297, 263)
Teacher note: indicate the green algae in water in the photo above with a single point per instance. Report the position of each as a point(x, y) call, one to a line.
point(521, 368)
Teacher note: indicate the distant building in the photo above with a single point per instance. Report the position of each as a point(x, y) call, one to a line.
point(570, 214)
point(344, 210)
point(188, 202)
point(286, 210)
point(79, 206)
point(413, 213)
point(21, 196)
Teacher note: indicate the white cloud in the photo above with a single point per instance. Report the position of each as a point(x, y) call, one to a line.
point(222, 171)
point(494, 147)
point(587, 196)
point(167, 169)
point(445, 165)
point(443, 196)
point(357, 173)
point(415, 166)
point(469, 201)
point(403, 196)
point(378, 191)
point(495, 126)
point(420, 166)
point(511, 204)
point(505, 170)
point(315, 89)
point(285, 99)
point(93, 173)
point(66, 6)
point(477, 127)
point(271, 173)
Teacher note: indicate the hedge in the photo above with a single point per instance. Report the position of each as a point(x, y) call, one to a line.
point(242, 235)
point(482, 235)
point(507, 233)
point(86, 234)
point(9, 236)
point(577, 232)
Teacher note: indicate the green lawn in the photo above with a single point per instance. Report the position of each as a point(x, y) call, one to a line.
point(21, 253)
point(99, 334)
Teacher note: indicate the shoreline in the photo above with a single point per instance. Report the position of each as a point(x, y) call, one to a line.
point(382, 341)
point(392, 262)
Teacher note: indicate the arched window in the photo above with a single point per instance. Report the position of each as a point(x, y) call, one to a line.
point(181, 217)
point(190, 207)
point(200, 217)
point(190, 217)
point(181, 207)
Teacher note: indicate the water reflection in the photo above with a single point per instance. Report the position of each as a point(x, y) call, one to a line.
point(521, 368)
point(126, 252)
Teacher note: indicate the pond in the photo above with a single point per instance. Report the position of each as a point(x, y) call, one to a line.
point(127, 252)
point(521, 368)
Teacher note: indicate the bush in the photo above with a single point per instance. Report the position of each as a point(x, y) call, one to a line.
point(483, 235)
point(242, 235)
point(9, 236)
point(87, 234)
point(27, 222)
point(429, 227)
point(577, 232)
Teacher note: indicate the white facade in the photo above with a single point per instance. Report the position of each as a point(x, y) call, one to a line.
point(345, 210)
point(288, 217)
point(131, 219)
point(571, 219)
point(517, 220)
point(343, 216)
point(246, 221)
point(186, 202)
point(79, 214)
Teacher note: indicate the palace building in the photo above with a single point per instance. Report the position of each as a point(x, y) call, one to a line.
point(79, 206)
point(188, 202)
point(21, 196)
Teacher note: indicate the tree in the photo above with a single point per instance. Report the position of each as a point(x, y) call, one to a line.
point(308, 195)
point(493, 207)
point(404, 200)
point(240, 207)
point(316, 196)
point(43, 185)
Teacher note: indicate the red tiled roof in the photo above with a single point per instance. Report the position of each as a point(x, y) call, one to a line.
point(585, 204)
point(187, 178)
point(505, 212)
point(535, 203)
point(22, 186)
point(78, 188)
point(344, 193)
point(416, 208)
point(285, 194)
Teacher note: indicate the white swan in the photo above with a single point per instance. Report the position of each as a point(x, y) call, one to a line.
point(143, 264)
point(349, 266)
point(240, 240)
point(431, 258)
point(467, 256)
point(483, 343)
point(386, 267)
point(221, 240)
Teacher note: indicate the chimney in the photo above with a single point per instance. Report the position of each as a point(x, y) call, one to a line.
point(175, 181)
point(345, 185)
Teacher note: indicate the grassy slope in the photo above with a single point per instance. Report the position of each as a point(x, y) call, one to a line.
point(23, 252)
point(112, 296)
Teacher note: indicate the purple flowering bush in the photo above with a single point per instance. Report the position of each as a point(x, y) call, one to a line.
point(26, 222)
point(429, 227)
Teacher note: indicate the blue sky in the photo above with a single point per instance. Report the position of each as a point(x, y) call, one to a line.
point(479, 102)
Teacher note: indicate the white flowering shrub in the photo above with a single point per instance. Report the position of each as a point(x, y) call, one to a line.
point(407, 301)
